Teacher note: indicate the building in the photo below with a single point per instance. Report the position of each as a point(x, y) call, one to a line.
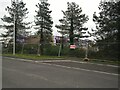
point(32, 39)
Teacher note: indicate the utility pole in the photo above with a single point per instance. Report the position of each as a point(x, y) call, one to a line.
point(14, 36)
point(14, 30)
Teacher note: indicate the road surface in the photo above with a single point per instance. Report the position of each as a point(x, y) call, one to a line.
point(21, 74)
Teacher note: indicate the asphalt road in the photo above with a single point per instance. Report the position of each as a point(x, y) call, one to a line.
point(21, 74)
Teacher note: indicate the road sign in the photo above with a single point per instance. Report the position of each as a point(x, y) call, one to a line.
point(72, 46)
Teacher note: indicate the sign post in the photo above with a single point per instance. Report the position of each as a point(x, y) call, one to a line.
point(86, 52)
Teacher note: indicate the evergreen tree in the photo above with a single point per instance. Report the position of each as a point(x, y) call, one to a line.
point(72, 22)
point(107, 27)
point(118, 21)
point(17, 15)
point(44, 23)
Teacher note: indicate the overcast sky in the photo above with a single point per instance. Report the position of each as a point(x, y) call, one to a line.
point(88, 7)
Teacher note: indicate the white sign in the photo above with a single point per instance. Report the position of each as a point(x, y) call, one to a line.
point(72, 46)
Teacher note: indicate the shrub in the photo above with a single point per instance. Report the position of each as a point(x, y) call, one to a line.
point(51, 50)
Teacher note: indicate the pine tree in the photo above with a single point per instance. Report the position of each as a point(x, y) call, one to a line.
point(17, 12)
point(72, 22)
point(43, 22)
point(107, 30)
point(118, 21)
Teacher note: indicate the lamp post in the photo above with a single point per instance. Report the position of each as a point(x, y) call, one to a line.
point(14, 36)
point(14, 29)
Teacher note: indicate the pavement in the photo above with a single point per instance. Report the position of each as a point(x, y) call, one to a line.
point(22, 73)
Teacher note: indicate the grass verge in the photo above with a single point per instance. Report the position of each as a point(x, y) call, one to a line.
point(34, 57)
point(97, 61)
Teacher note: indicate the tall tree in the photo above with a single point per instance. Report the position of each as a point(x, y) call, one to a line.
point(72, 22)
point(44, 23)
point(17, 13)
point(107, 27)
point(118, 20)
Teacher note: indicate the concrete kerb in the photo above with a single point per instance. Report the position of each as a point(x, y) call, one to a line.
point(42, 62)
point(62, 60)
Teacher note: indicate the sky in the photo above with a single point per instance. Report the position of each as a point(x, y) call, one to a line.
point(88, 7)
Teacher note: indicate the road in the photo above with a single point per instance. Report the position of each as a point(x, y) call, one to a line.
point(21, 74)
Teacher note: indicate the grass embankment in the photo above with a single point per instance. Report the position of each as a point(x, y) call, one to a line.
point(36, 57)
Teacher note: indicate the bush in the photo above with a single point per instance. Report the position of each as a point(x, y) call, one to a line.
point(7, 48)
point(30, 49)
point(51, 50)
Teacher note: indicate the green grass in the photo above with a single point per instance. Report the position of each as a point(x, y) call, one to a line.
point(34, 57)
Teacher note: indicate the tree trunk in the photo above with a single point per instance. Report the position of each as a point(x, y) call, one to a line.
point(40, 45)
point(41, 42)
point(22, 48)
point(38, 51)
point(71, 33)
point(62, 42)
